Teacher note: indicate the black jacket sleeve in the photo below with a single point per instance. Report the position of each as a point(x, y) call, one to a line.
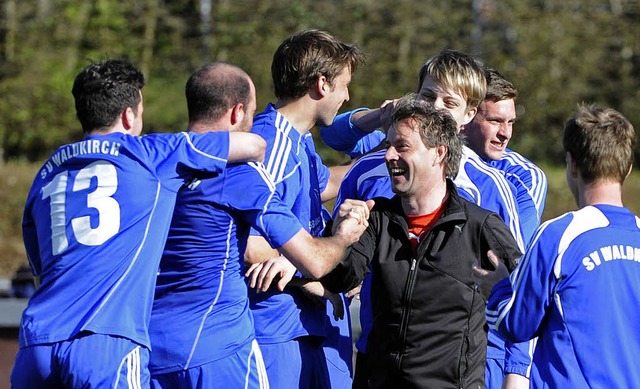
point(351, 271)
point(497, 237)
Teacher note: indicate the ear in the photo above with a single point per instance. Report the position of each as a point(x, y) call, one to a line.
point(469, 115)
point(128, 118)
point(441, 154)
point(237, 114)
point(323, 86)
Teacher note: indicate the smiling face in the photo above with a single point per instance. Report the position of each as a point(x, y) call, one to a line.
point(445, 98)
point(413, 167)
point(336, 94)
point(490, 131)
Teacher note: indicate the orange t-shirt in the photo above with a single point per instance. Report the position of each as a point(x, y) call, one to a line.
point(420, 224)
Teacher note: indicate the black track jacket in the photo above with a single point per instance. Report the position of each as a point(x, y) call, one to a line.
point(429, 328)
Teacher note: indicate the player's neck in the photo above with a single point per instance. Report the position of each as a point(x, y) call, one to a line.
point(201, 127)
point(609, 193)
point(300, 113)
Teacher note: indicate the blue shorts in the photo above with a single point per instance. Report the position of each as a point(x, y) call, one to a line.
point(87, 361)
point(298, 363)
point(244, 369)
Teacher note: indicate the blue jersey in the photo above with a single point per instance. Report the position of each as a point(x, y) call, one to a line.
point(578, 289)
point(94, 227)
point(531, 186)
point(300, 177)
point(201, 308)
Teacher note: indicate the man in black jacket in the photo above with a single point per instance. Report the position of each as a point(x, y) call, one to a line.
point(429, 329)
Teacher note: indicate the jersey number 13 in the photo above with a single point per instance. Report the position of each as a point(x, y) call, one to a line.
point(99, 199)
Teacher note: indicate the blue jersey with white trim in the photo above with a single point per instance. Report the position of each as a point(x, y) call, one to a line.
point(94, 226)
point(578, 289)
point(531, 187)
point(201, 308)
point(299, 175)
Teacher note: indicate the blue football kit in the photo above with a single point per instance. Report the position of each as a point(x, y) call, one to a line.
point(531, 186)
point(201, 309)
point(577, 290)
point(94, 227)
point(283, 320)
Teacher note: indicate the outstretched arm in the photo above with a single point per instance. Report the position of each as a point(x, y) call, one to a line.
point(246, 147)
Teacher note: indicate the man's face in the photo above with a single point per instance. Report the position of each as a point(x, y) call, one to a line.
point(249, 111)
point(444, 98)
point(336, 93)
point(490, 131)
point(413, 167)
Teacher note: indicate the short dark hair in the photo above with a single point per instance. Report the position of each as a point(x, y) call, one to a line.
point(601, 141)
point(214, 88)
point(103, 90)
point(307, 55)
point(437, 127)
point(498, 87)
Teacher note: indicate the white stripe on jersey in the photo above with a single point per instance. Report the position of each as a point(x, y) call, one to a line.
point(506, 194)
point(282, 147)
point(538, 187)
point(197, 150)
point(261, 169)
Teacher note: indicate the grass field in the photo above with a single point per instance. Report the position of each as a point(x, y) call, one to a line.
point(16, 179)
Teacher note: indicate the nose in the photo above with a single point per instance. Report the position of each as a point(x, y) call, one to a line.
point(505, 131)
point(391, 154)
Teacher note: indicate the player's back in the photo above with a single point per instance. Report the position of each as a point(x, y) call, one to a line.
point(201, 308)
point(94, 227)
point(593, 256)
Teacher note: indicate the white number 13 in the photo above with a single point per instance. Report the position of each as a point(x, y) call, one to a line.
point(100, 199)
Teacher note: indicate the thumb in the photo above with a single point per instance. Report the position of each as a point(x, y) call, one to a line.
point(493, 258)
point(370, 203)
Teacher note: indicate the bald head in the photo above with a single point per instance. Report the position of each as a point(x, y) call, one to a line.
point(216, 88)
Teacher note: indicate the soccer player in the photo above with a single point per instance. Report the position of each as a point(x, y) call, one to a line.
point(453, 81)
point(202, 332)
point(94, 226)
point(576, 288)
point(311, 71)
point(488, 134)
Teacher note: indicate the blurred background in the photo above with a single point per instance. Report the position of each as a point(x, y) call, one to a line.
point(557, 53)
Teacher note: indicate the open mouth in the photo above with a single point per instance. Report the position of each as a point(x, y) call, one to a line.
point(396, 171)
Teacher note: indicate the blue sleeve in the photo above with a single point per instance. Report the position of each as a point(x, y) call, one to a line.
point(262, 207)
point(346, 138)
point(518, 304)
point(518, 357)
point(170, 153)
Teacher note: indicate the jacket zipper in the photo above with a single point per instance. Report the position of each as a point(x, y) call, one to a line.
point(406, 308)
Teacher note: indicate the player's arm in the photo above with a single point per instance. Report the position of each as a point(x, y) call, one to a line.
point(517, 305)
point(245, 147)
point(312, 256)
